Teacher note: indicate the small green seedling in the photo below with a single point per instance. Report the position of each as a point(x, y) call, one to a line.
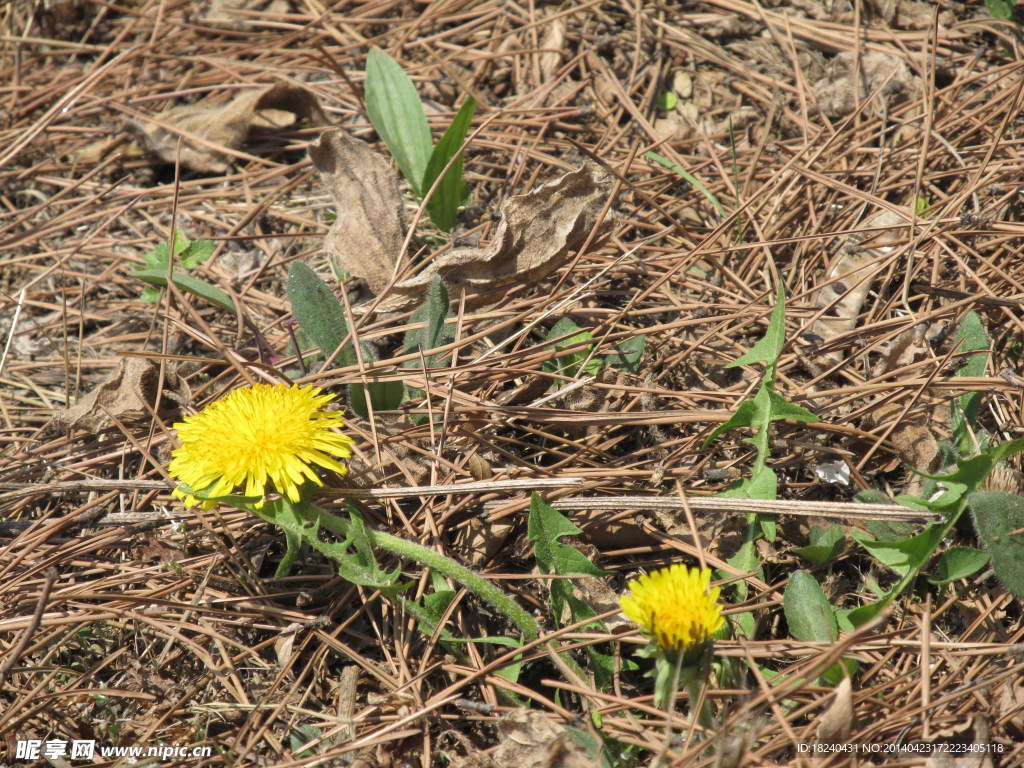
point(189, 254)
point(565, 335)
point(397, 115)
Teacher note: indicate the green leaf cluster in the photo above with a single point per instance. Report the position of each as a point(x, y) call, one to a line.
point(758, 413)
point(189, 254)
point(766, 406)
point(545, 526)
point(566, 334)
point(996, 515)
point(397, 115)
point(322, 317)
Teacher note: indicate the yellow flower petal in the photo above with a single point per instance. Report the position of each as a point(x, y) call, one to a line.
point(257, 434)
point(674, 607)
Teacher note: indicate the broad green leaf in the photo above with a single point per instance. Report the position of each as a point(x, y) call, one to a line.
point(768, 347)
point(319, 313)
point(304, 734)
point(1000, 9)
point(865, 613)
point(397, 115)
point(571, 364)
point(841, 669)
point(958, 563)
point(184, 282)
point(690, 179)
point(627, 355)
point(906, 555)
point(999, 521)
point(666, 101)
point(443, 206)
point(889, 530)
point(972, 339)
point(808, 612)
point(825, 544)
point(433, 312)
point(384, 395)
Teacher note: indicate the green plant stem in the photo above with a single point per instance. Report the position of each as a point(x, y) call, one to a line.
point(475, 583)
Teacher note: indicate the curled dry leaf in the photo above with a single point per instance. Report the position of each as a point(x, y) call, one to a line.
point(552, 44)
point(223, 126)
point(835, 93)
point(538, 232)
point(836, 722)
point(127, 394)
point(367, 235)
point(241, 14)
point(532, 739)
point(848, 281)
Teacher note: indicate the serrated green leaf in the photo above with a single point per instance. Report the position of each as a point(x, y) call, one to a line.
point(544, 527)
point(319, 313)
point(958, 563)
point(396, 113)
point(762, 484)
point(743, 416)
point(999, 521)
point(783, 409)
point(768, 347)
point(443, 206)
point(195, 252)
point(808, 612)
point(189, 284)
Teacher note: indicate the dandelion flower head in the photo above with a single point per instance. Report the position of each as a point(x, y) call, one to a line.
point(254, 434)
point(675, 607)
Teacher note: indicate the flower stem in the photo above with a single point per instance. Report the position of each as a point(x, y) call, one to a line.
point(475, 583)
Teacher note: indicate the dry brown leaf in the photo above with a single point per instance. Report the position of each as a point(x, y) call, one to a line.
point(966, 746)
point(482, 541)
point(223, 126)
point(836, 722)
point(551, 45)
point(531, 739)
point(285, 642)
point(835, 93)
point(239, 14)
point(367, 235)
point(538, 232)
point(849, 277)
point(127, 394)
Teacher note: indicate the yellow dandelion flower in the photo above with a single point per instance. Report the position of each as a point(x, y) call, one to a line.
point(674, 607)
point(255, 434)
